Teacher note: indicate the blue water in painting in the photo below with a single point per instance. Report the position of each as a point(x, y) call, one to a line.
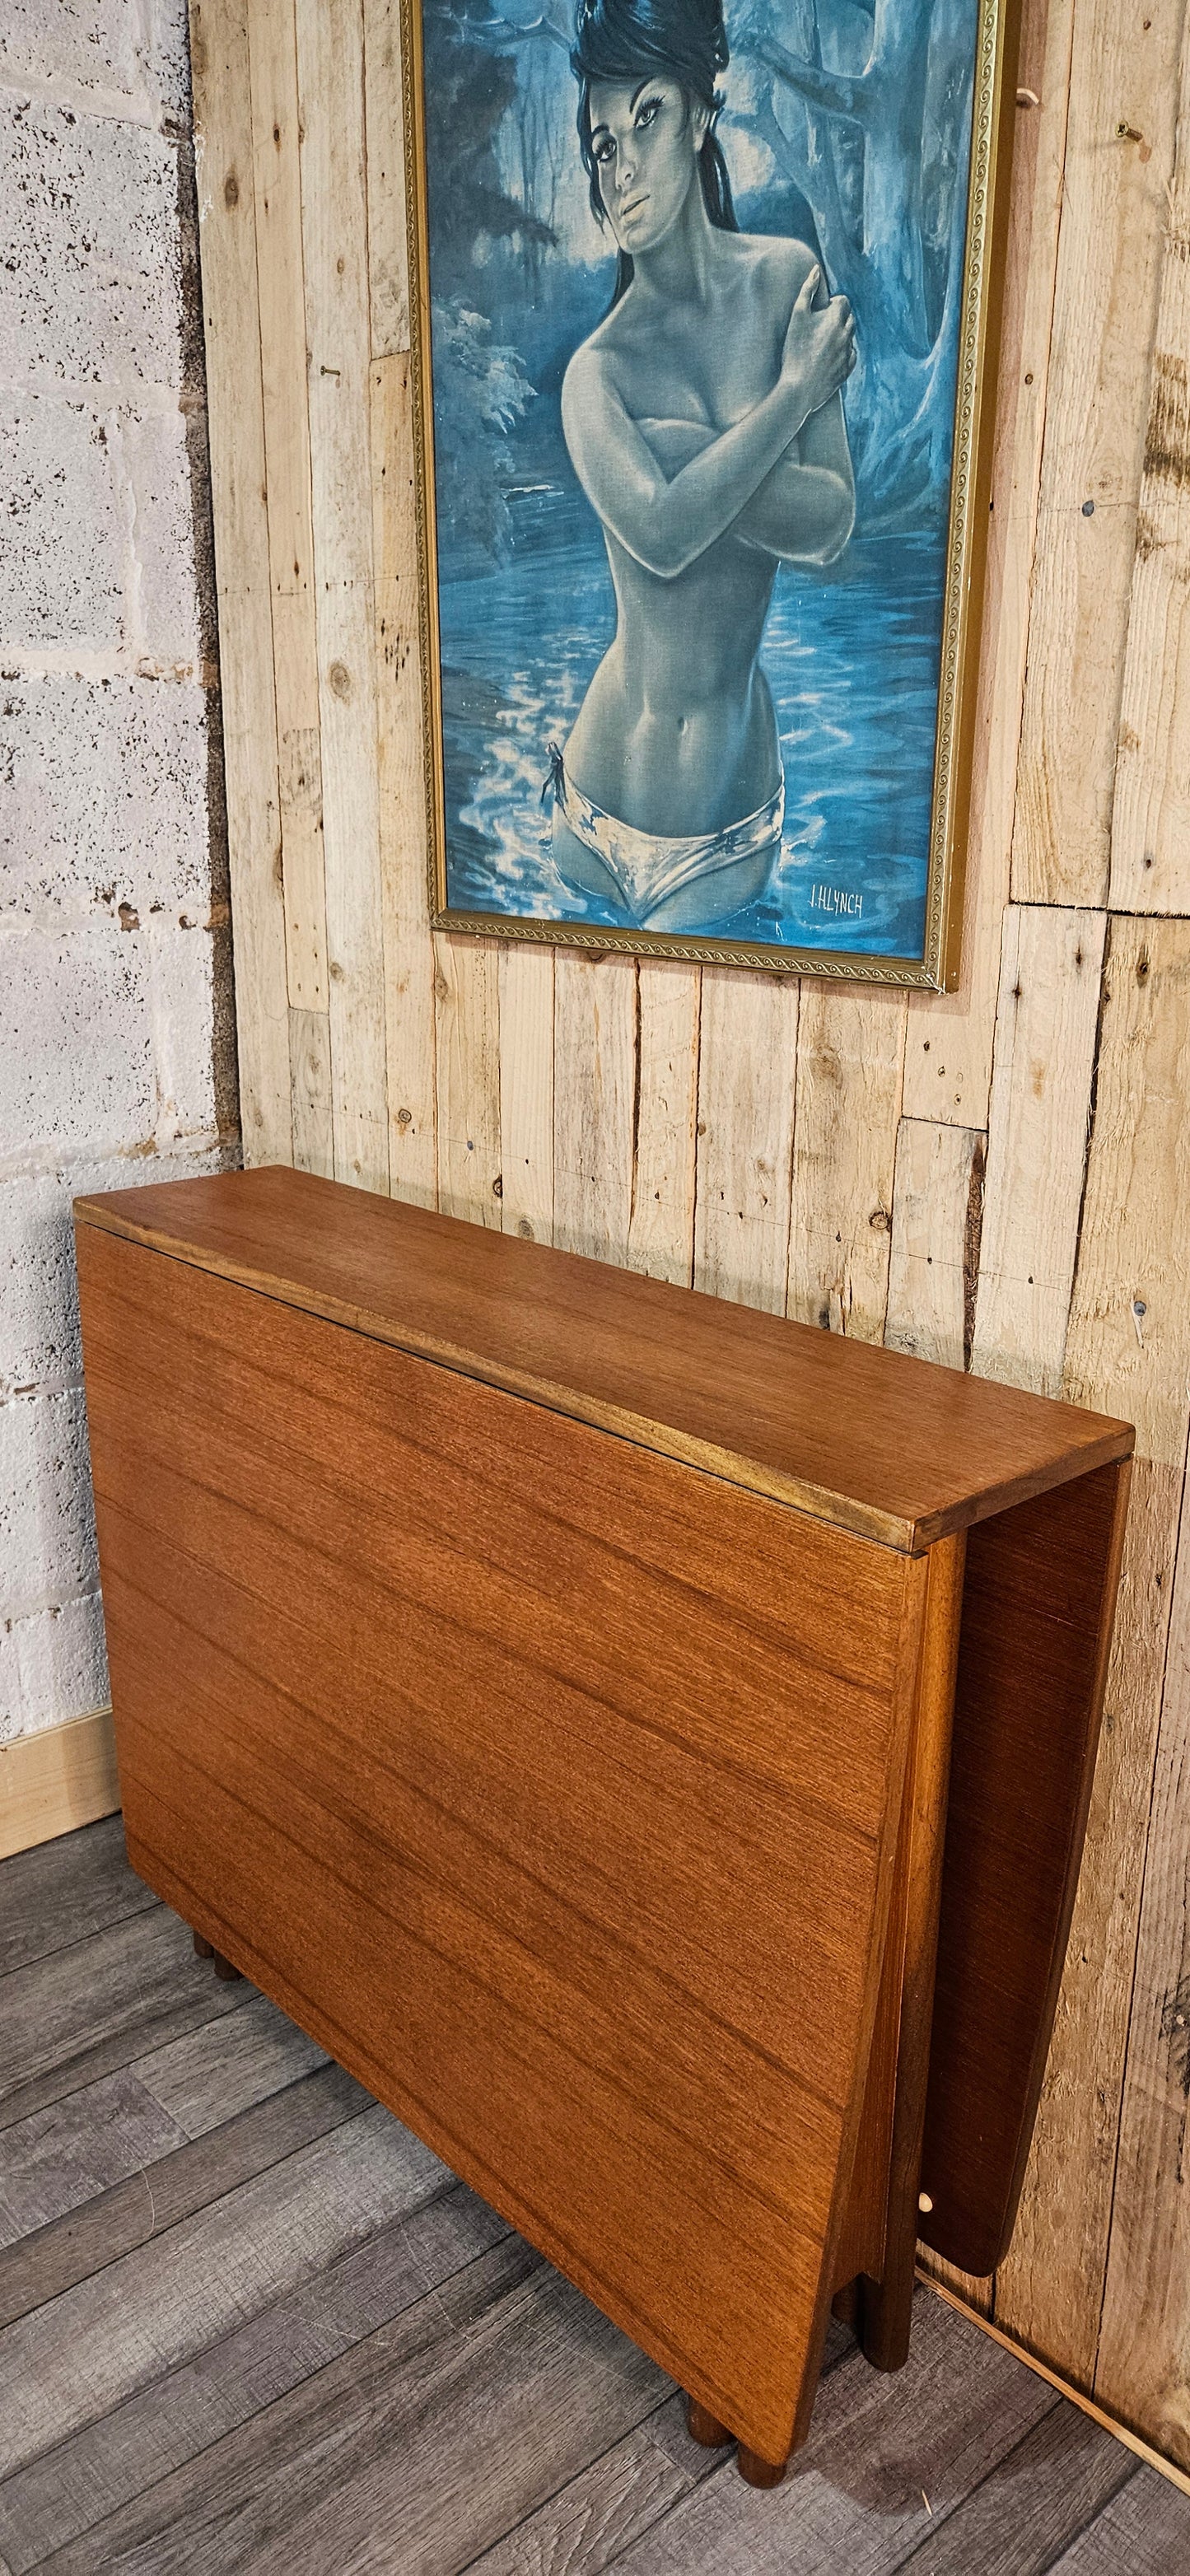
point(851, 656)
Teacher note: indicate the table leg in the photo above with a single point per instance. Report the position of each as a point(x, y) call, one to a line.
point(757, 2472)
point(885, 2305)
point(705, 2428)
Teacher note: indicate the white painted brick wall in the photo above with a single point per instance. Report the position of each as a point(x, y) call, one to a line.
point(115, 969)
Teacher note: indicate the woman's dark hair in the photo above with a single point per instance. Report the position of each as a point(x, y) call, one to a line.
point(627, 40)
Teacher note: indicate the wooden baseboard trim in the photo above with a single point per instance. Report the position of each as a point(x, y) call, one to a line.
point(1086, 2405)
point(62, 1777)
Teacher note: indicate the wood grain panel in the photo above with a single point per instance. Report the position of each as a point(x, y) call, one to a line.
point(1142, 2331)
point(310, 1090)
point(937, 1216)
point(618, 2111)
point(409, 965)
point(276, 174)
point(384, 114)
point(231, 326)
point(664, 1120)
point(1150, 870)
point(527, 1091)
point(335, 252)
point(1046, 1030)
point(948, 1053)
point(1119, 161)
point(850, 1060)
point(467, 1077)
point(911, 1951)
point(595, 1035)
point(1129, 1341)
point(746, 1071)
point(1037, 1608)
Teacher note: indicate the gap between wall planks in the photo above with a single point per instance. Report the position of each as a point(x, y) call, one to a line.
point(1001, 1173)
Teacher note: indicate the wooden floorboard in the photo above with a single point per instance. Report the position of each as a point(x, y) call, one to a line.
point(78, 2147)
point(888, 2459)
point(1032, 2504)
point(109, 2464)
point(75, 2149)
point(99, 2004)
point(1144, 2531)
point(258, 2330)
point(209, 2074)
point(56, 1895)
point(152, 2200)
point(92, 2346)
point(594, 2517)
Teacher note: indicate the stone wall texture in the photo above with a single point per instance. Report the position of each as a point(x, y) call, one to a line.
point(116, 1031)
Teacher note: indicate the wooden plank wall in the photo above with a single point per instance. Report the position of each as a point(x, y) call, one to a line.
point(1000, 1178)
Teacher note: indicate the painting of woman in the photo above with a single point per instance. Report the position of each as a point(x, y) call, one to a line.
point(698, 285)
point(704, 420)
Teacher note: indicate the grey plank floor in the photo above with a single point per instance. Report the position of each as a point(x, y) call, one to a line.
point(247, 2322)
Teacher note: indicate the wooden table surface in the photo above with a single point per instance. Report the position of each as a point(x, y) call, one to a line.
point(892, 1448)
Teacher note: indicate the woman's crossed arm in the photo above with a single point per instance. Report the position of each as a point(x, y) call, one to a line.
point(667, 522)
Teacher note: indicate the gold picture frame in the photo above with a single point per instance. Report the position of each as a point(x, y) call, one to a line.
point(962, 553)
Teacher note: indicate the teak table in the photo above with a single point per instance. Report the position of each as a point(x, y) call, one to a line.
point(541, 1681)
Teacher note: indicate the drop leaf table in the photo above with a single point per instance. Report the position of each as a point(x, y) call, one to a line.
point(647, 1742)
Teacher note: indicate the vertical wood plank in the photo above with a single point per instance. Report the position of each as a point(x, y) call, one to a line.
point(409, 966)
point(1049, 2289)
point(277, 194)
point(1128, 1352)
point(1151, 815)
point(467, 1043)
point(527, 1090)
point(1046, 1023)
point(661, 1219)
point(948, 1057)
point(334, 242)
point(595, 1016)
point(310, 1077)
point(384, 119)
point(934, 1259)
point(231, 317)
point(1142, 2342)
point(850, 1064)
point(1119, 161)
point(747, 1060)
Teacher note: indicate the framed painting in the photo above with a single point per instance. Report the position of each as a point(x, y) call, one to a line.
point(704, 323)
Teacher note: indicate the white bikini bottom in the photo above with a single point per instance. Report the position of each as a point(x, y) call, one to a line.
point(649, 868)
